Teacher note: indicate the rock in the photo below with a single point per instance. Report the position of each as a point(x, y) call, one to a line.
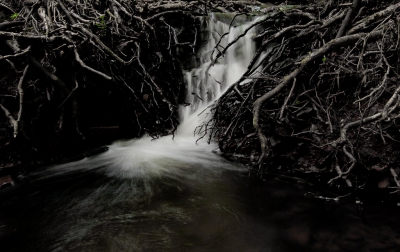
point(8, 168)
point(384, 183)
point(6, 181)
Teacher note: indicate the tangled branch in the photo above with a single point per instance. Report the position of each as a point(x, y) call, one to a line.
point(343, 93)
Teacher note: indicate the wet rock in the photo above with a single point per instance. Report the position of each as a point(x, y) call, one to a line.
point(384, 183)
point(6, 181)
point(87, 153)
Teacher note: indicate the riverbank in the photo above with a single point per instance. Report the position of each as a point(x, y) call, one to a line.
point(312, 108)
point(70, 110)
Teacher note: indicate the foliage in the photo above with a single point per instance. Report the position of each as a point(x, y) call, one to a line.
point(14, 16)
point(101, 26)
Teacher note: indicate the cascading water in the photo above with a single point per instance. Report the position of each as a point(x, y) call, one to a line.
point(172, 194)
point(206, 83)
point(146, 158)
point(143, 192)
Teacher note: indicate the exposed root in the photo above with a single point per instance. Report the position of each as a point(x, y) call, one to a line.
point(126, 56)
point(324, 94)
point(323, 100)
point(15, 121)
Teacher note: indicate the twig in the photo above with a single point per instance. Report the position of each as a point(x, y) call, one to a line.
point(17, 54)
point(78, 59)
point(287, 99)
point(15, 122)
point(313, 56)
point(363, 24)
point(395, 177)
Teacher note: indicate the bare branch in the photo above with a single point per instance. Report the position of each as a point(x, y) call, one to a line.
point(78, 59)
point(15, 122)
point(17, 54)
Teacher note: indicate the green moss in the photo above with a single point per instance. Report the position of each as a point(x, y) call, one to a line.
point(14, 16)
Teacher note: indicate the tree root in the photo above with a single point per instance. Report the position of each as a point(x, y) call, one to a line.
point(15, 122)
point(339, 82)
point(324, 95)
point(112, 49)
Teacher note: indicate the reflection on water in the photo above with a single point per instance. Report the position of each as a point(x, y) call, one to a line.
point(182, 208)
point(211, 208)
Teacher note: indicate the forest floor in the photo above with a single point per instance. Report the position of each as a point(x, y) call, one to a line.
point(324, 108)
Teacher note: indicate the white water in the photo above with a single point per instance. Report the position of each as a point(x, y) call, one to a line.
point(168, 194)
point(167, 156)
point(173, 195)
point(205, 84)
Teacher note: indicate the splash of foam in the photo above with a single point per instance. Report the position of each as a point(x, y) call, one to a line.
point(146, 158)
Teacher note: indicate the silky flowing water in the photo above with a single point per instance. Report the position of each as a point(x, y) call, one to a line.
point(173, 194)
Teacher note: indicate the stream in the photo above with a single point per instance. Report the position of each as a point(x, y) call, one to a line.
point(176, 194)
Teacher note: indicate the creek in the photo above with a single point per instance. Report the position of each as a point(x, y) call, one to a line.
point(176, 194)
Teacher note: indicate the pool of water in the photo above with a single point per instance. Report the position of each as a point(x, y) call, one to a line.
point(185, 199)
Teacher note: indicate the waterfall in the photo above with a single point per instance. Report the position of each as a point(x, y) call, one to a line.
point(171, 156)
point(207, 82)
point(172, 194)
